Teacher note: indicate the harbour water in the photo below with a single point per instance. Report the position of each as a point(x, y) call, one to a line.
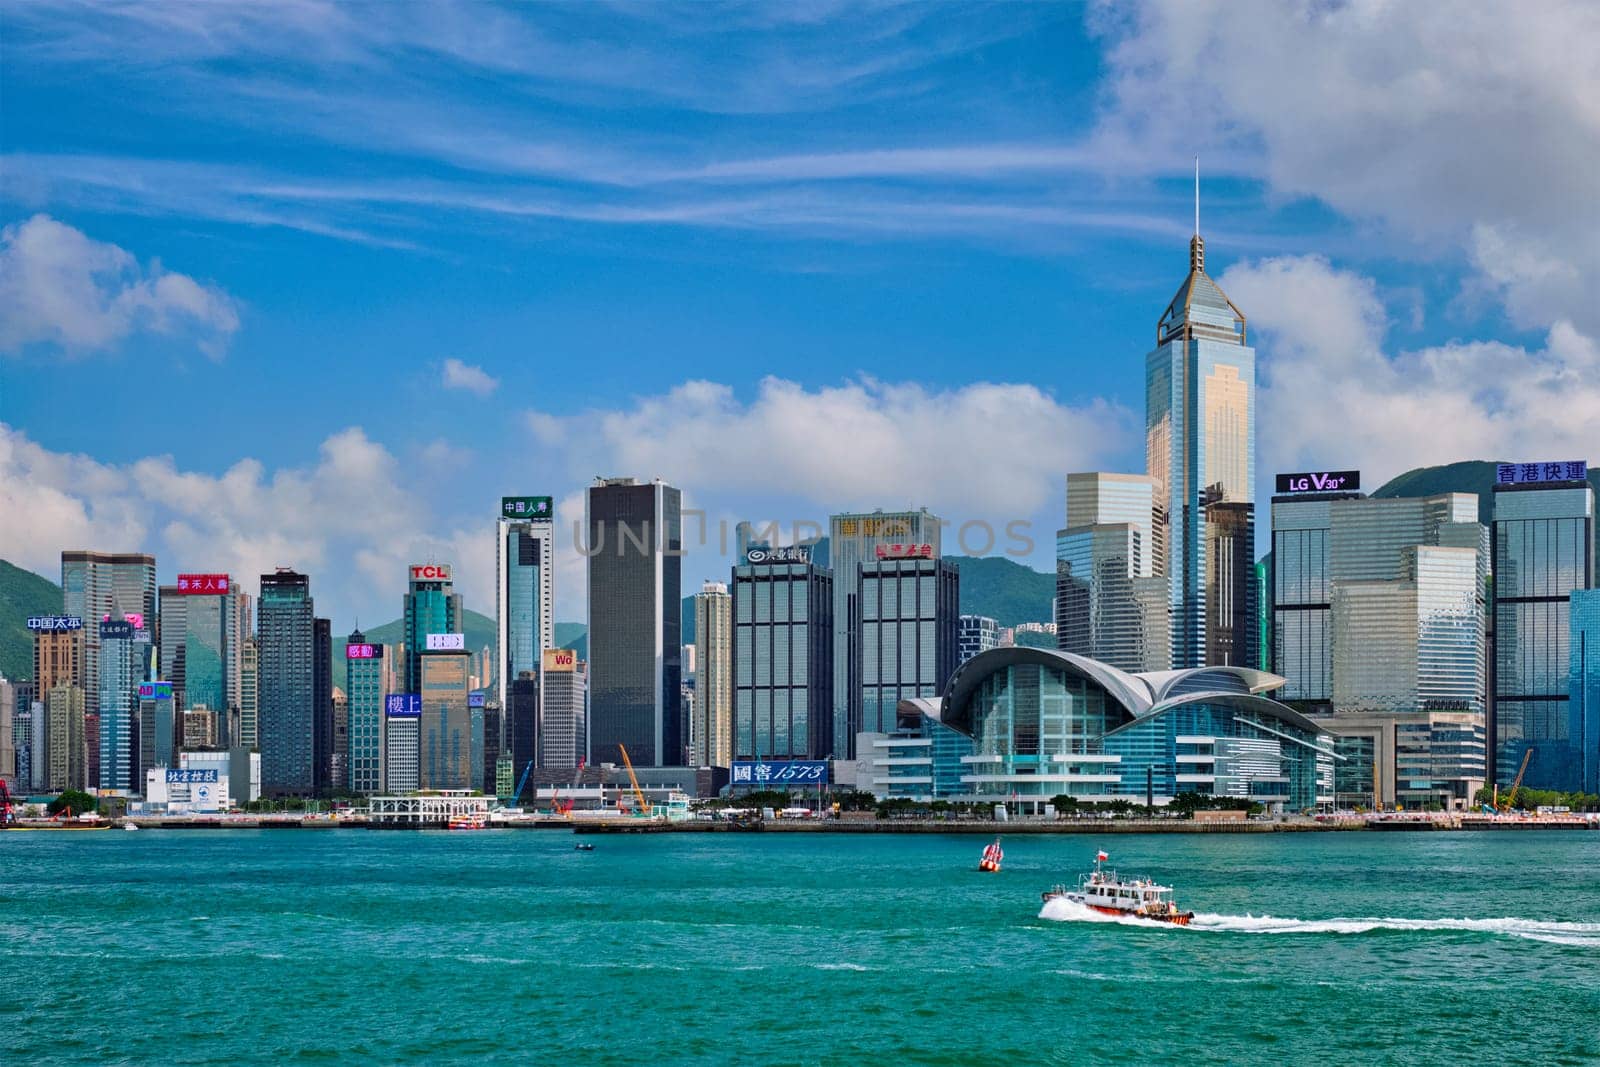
point(504, 946)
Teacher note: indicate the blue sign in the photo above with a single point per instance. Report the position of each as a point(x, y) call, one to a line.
point(780, 773)
point(403, 705)
point(1568, 470)
point(475, 699)
point(155, 690)
point(55, 622)
point(113, 629)
point(191, 777)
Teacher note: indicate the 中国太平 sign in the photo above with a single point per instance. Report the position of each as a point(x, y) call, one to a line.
point(55, 622)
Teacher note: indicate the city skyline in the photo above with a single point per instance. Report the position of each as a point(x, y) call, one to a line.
point(904, 288)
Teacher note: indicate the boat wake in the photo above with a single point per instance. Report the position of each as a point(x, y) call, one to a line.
point(1586, 935)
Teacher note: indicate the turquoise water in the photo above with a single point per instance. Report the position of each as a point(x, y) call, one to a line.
point(273, 946)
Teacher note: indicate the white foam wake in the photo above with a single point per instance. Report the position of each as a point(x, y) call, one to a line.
point(1560, 933)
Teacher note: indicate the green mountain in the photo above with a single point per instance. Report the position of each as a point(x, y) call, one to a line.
point(1473, 476)
point(22, 593)
point(1005, 590)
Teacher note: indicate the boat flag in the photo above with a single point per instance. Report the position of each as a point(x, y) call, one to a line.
point(1101, 856)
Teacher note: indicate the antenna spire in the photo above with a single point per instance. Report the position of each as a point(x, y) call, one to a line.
point(1197, 196)
point(1197, 245)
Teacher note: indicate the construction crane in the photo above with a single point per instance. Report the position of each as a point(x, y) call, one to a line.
point(644, 805)
point(522, 783)
point(1511, 796)
point(556, 807)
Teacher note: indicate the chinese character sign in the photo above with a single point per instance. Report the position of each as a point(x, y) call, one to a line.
point(361, 651)
point(527, 507)
point(1571, 470)
point(185, 776)
point(55, 622)
point(787, 554)
point(779, 774)
point(475, 699)
point(202, 584)
point(446, 642)
point(905, 551)
point(403, 705)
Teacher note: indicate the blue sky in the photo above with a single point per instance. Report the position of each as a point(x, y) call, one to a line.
point(314, 284)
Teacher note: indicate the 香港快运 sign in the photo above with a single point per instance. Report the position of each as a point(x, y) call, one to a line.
point(1567, 470)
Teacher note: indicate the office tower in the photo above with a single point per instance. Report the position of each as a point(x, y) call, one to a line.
point(200, 643)
point(322, 721)
point(160, 729)
point(493, 730)
point(58, 651)
point(65, 746)
point(249, 693)
point(286, 683)
point(8, 744)
point(1301, 591)
point(713, 677)
point(635, 545)
point(432, 607)
point(563, 726)
point(907, 622)
point(22, 731)
point(445, 759)
point(199, 728)
point(524, 587)
point(1200, 446)
point(339, 779)
point(1583, 696)
point(364, 691)
point(976, 633)
point(121, 671)
point(782, 656)
point(97, 585)
point(522, 720)
point(402, 715)
point(1543, 549)
point(1110, 604)
point(852, 540)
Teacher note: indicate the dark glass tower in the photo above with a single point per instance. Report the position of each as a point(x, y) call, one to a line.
point(286, 629)
point(782, 660)
point(322, 738)
point(634, 545)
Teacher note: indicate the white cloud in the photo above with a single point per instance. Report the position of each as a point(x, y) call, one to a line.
point(994, 450)
point(459, 375)
point(1333, 397)
point(351, 519)
point(58, 286)
point(1473, 124)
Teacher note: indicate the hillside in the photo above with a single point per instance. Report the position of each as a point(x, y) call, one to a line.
point(22, 593)
point(1473, 476)
point(1005, 590)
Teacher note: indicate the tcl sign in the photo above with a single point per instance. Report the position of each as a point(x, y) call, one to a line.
point(430, 572)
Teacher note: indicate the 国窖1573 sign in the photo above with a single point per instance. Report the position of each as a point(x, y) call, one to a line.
point(779, 772)
point(1567, 470)
point(1320, 482)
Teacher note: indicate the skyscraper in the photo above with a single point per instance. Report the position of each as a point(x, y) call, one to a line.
point(286, 684)
point(249, 693)
point(782, 662)
point(635, 543)
point(908, 612)
point(1543, 550)
point(522, 719)
point(524, 587)
point(322, 719)
point(1200, 446)
point(8, 744)
point(201, 645)
point(713, 683)
point(1110, 603)
point(1301, 595)
point(432, 606)
point(97, 585)
point(446, 758)
point(854, 538)
point(978, 633)
point(563, 728)
point(66, 766)
point(1583, 700)
point(121, 671)
point(364, 691)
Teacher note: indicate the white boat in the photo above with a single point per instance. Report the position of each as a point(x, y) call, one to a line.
point(1139, 898)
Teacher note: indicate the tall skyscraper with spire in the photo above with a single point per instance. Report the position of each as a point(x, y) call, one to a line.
point(1200, 445)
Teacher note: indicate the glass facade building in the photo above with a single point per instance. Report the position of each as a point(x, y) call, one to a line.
point(451, 754)
point(102, 585)
point(122, 661)
point(563, 717)
point(1022, 725)
point(907, 626)
point(977, 633)
point(1103, 608)
point(364, 696)
point(1410, 759)
point(1543, 550)
point(524, 597)
point(782, 661)
point(1200, 390)
point(853, 539)
point(713, 671)
point(432, 606)
point(635, 545)
point(286, 684)
point(1583, 701)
